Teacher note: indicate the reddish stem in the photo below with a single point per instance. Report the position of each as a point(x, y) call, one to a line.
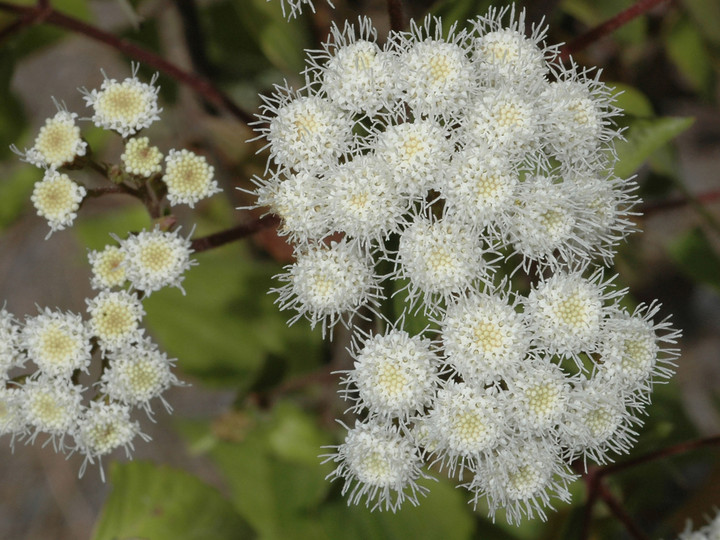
point(619, 512)
point(202, 86)
point(608, 27)
point(659, 206)
point(235, 233)
point(679, 448)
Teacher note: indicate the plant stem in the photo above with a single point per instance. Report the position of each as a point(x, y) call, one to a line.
point(619, 512)
point(235, 233)
point(608, 27)
point(39, 14)
point(663, 453)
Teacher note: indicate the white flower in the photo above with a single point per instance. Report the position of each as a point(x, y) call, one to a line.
point(380, 465)
point(522, 477)
point(10, 354)
point(464, 426)
point(394, 375)
point(484, 336)
point(505, 56)
point(137, 374)
point(156, 259)
point(51, 405)
point(598, 421)
point(305, 133)
point(327, 283)
point(189, 178)
point(300, 201)
point(12, 418)
point(435, 73)
point(108, 267)
point(417, 152)
point(635, 351)
point(363, 199)
point(711, 531)
point(579, 122)
point(440, 258)
point(125, 107)
point(58, 143)
point(538, 393)
point(58, 343)
point(140, 158)
point(356, 74)
point(115, 318)
point(102, 428)
point(479, 187)
point(566, 312)
point(545, 223)
point(505, 122)
point(57, 199)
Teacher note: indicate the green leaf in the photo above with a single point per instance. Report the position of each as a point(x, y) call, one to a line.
point(645, 136)
point(686, 49)
point(12, 119)
point(94, 231)
point(443, 515)
point(226, 326)
point(161, 503)
point(460, 10)
point(273, 470)
point(706, 15)
point(15, 191)
point(631, 100)
point(695, 255)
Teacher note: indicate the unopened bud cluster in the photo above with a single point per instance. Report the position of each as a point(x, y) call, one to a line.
point(50, 389)
point(478, 168)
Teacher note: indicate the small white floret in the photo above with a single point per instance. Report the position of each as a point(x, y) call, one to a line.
point(108, 267)
point(140, 158)
point(125, 107)
point(156, 259)
point(58, 143)
point(58, 343)
point(380, 465)
point(115, 318)
point(189, 178)
point(57, 199)
point(327, 283)
point(394, 375)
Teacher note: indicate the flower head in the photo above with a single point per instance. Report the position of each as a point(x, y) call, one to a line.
point(115, 318)
point(58, 343)
point(140, 158)
point(108, 267)
point(58, 143)
point(188, 177)
point(57, 199)
point(156, 259)
point(327, 283)
point(125, 107)
point(395, 375)
point(137, 374)
point(380, 465)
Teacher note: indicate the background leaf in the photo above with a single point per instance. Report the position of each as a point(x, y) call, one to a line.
point(161, 503)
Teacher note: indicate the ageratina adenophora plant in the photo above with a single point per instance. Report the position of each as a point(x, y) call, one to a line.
point(464, 178)
point(50, 389)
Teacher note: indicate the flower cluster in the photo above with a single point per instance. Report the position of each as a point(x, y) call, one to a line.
point(124, 107)
point(711, 531)
point(45, 360)
point(465, 178)
point(49, 388)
